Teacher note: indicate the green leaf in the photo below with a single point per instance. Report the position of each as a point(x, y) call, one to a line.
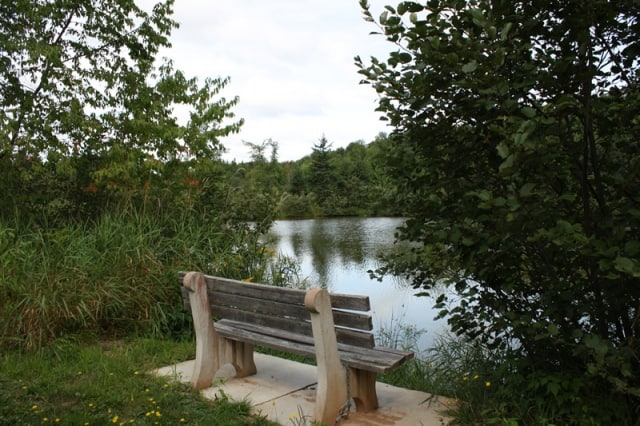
point(632, 248)
point(478, 18)
point(526, 189)
point(505, 31)
point(507, 164)
point(503, 150)
point(405, 57)
point(470, 67)
point(628, 266)
point(528, 112)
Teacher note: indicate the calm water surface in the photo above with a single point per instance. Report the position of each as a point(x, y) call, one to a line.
point(337, 253)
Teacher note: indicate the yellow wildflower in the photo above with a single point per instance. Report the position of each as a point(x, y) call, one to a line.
point(487, 384)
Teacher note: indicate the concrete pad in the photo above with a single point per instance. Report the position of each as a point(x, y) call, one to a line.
point(284, 391)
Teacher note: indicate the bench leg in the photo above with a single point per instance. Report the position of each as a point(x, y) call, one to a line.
point(240, 355)
point(363, 389)
point(206, 363)
point(331, 393)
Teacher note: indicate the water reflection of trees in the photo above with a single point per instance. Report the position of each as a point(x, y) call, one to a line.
point(331, 245)
point(320, 245)
point(350, 242)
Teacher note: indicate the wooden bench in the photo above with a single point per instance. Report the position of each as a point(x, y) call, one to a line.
point(335, 329)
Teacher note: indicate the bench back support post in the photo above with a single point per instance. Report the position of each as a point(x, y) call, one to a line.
point(331, 394)
point(207, 361)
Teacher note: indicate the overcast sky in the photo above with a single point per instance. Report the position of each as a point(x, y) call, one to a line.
point(291, 64)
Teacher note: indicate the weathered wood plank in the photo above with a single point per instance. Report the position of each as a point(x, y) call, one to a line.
point(352, 320)
point(259, 319)
point(258, 291)
point(275, 315)
point(355, 337)
point(352, 302)
point(355, 356)
point(234, 333)
point(347, 336)
point(344, 319)
point(257, 305)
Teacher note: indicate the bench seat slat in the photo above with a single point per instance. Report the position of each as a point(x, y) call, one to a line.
point(379, 354)
point(379, 360)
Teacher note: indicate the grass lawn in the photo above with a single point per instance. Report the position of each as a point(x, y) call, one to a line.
point(106, 383)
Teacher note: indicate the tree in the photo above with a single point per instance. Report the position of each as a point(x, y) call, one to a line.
point(516, 154)
point(80, 79)
point(320, 172)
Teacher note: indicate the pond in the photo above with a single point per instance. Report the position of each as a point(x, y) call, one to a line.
point(338, 253)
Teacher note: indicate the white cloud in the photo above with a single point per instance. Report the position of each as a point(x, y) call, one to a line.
point(291, 64)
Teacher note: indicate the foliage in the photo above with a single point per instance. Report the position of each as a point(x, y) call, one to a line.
point(108, 383)
point(515, 153)
point(86, 110)
point(118, 275)
point(320, 171)
point(350, 181)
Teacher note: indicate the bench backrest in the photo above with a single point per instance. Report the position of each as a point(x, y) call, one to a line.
point(284, 309)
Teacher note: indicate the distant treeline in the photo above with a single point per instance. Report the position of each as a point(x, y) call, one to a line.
point(349, 181)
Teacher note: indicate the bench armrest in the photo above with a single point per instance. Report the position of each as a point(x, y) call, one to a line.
point(207, 362)
point(331, 394)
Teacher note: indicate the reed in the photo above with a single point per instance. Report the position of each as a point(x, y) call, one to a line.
point(116, 275)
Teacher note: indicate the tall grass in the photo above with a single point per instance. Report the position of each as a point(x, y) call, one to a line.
point(116, 275)
point(462, 372)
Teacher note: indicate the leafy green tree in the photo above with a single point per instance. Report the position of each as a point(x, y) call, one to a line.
point(516, 154)
point(297, 182)
point(79, 79)
point(381, 200)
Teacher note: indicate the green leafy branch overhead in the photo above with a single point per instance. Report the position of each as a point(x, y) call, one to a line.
point(516, 153)
point(83, 77)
